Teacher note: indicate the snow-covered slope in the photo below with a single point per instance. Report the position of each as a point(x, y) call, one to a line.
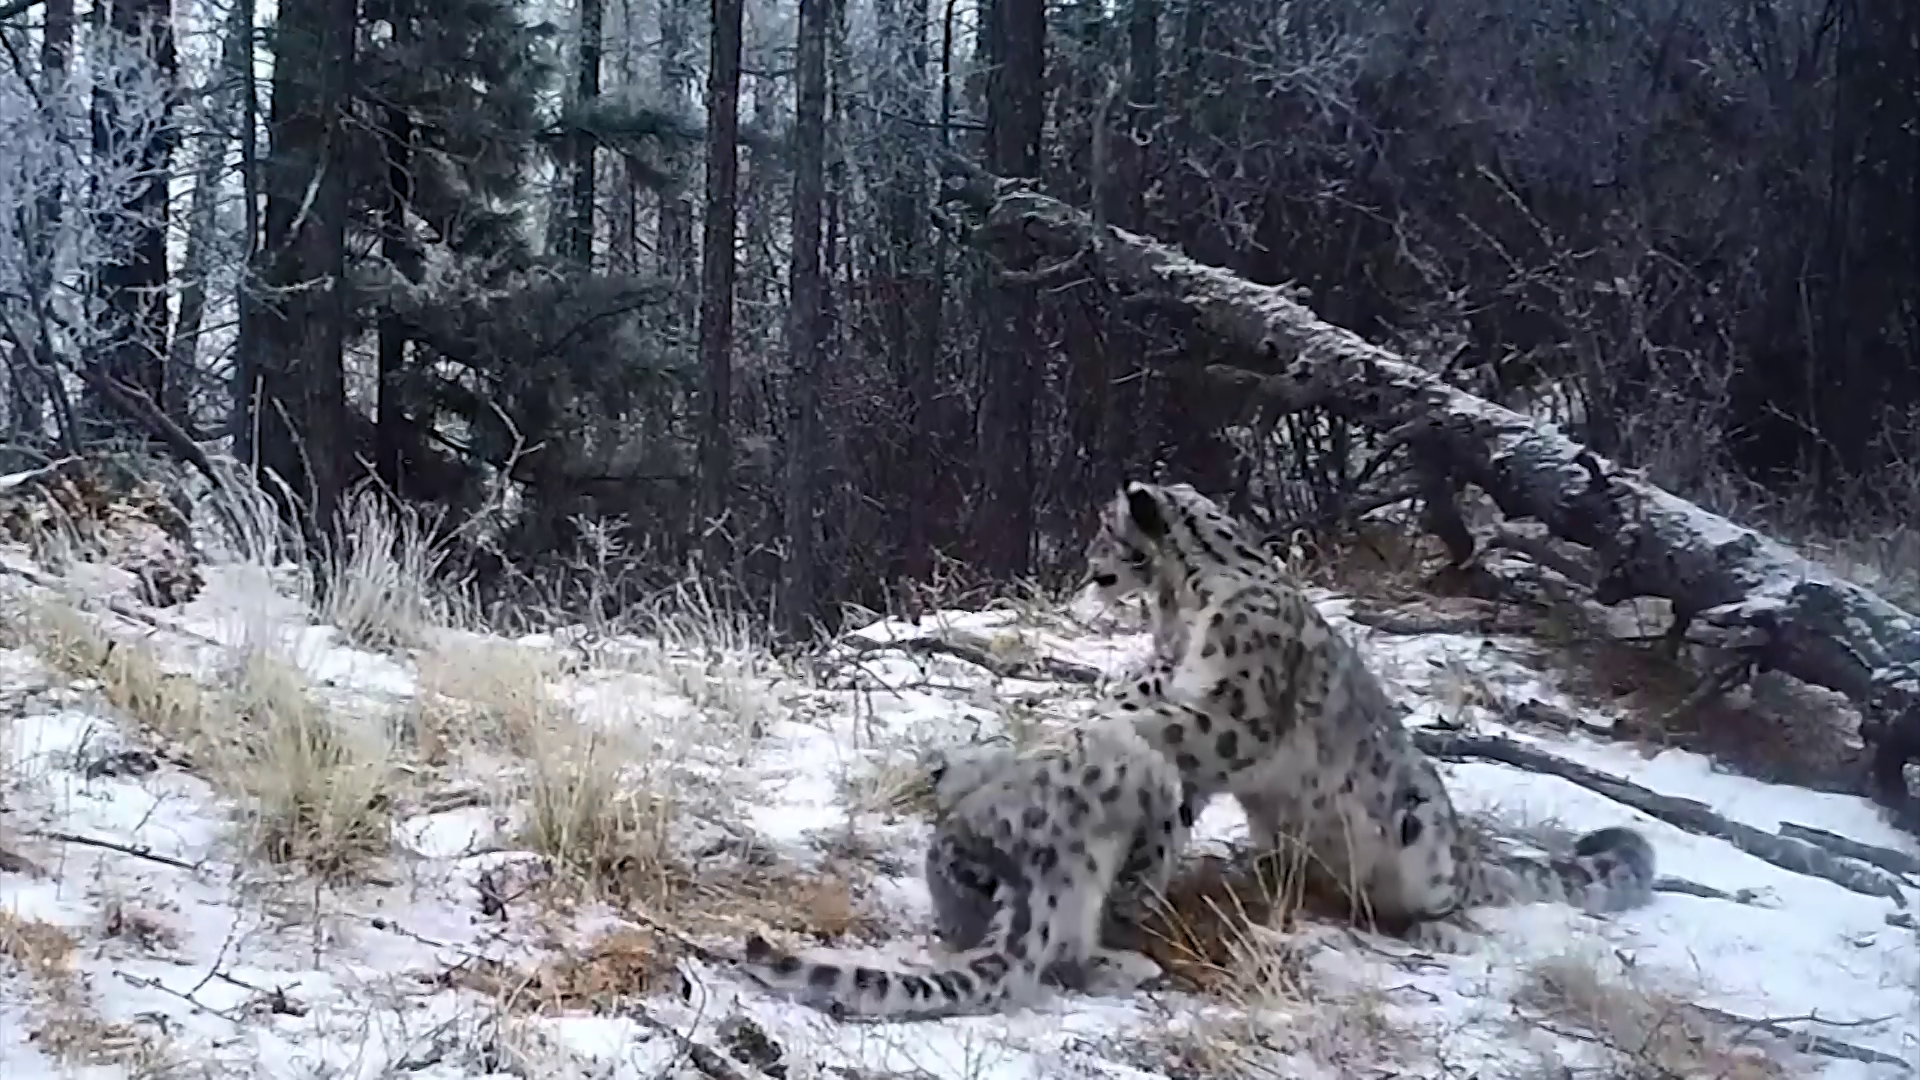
point(142, 934)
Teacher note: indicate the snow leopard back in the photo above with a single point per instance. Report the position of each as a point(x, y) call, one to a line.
point(1286, 715)
point(1054, 830)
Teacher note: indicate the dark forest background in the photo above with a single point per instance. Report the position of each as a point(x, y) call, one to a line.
point(651, 280)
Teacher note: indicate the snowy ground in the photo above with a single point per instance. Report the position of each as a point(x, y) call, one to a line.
point(139, 935)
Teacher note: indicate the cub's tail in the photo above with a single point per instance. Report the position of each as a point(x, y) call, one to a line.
point(973, 981)
point(1049, 911)
point(1610, 869)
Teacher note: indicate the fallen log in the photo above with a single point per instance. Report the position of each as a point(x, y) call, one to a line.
point(1785, 612)
point(1787, 853)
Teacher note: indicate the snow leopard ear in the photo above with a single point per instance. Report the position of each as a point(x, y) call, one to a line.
point(1143, 506)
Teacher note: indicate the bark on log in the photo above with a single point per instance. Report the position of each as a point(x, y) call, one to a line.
point(1790, 614)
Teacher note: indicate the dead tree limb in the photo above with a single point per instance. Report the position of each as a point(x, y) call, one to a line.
point(1809, 623)
point(1038, 669)
point(1893, 862)
point(1785, 852)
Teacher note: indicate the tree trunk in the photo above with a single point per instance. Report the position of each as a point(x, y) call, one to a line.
point(397, 247)
point(909, 310)
point(1016, 33)
point(1869, 354)
point(623, 236)
point(301, 407)
point(676, 209)
point(1134, 405)
point(586, 90)
point(246, 368)
point(26, 417)
point(1779, 610)
point(922, 537)
point(800, 586)
point(716, 281)
point(133, 287)
point(183, 357)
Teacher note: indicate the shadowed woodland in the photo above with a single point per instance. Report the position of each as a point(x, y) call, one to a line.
point(612, 289)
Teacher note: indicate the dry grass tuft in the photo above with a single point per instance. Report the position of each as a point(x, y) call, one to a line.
point(484, 692)
point(66, 1025)
point(317, 790)
point(1212, 931)
point(1228, 926)
point(715, 656)
point(320, 788)
point(383, 572)
point(1651, 1031)
point(131, 676)
point(820, 906)
point(625, 963)
point(601, 810)
point(39, 949)
point(1216, 932)
point(634, 961)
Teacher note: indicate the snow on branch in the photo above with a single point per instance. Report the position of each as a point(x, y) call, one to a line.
point(1786, 612)
point(71, 196)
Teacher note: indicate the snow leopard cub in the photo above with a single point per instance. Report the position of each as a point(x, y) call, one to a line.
point(963, 871)
point(1052, 826)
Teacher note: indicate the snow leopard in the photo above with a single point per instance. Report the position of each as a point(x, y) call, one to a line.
point(1288, 718)
point(963, 871)
point(1052, 827)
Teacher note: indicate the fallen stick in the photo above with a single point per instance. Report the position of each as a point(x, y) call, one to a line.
point(138, 852)
point(1691, 815)
point(709, 1061)
point(1896, 862)
point(1040, 669)
point(1811, 1042)
point(1686, 887)
point(1404, 621)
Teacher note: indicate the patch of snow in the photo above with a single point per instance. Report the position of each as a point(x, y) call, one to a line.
point(252, 973)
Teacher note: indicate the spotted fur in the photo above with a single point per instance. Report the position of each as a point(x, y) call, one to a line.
point(1049, 830)
point(963, 872)
point(1286, 716)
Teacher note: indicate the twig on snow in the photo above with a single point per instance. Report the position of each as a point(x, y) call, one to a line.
point(138, 852)
point(145, 983)
point(1686, 887)
point(1811, 1042)
point(1041, 668)
point(708, 1060)
point(1694, 816)
point(1414, 621)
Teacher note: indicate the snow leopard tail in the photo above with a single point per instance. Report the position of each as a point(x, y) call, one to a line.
point(1610, 869)
point(969, 982)
point(1044, 917)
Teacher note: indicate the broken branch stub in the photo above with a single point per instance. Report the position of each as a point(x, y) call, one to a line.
point(1810, 623)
